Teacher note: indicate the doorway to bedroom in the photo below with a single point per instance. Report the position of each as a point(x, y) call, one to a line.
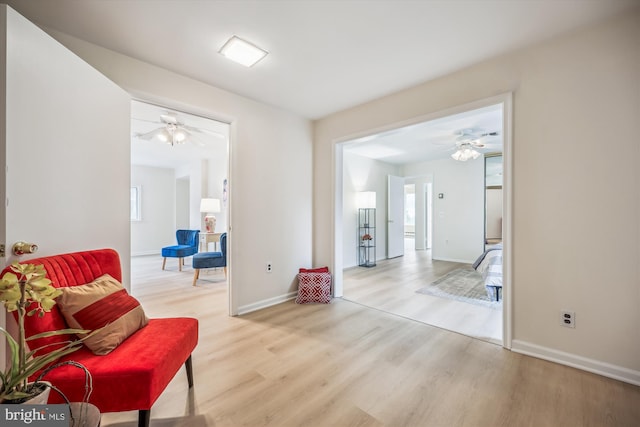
point(446, 221)
point(178, 160)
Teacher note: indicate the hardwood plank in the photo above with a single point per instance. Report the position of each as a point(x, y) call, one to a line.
point(344, 364)
point(391, 286)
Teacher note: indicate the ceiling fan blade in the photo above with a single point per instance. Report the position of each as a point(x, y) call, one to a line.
point(205, 131)
point(149, 135)
point(147, 121)
point(170, 118)
point(196, 141)
point(493, 146)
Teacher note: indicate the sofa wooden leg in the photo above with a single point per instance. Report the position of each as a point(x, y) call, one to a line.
point(144, 415)
point(225, 271)
point(196, 274)
point(189, 367)
point(164, 261)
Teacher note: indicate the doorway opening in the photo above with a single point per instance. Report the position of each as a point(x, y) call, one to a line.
point(409, 211)
point(448, 223)
point(177, 160)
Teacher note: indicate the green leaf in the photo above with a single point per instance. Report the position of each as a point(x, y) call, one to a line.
point(69, 331)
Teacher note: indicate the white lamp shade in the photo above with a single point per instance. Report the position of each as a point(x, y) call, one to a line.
point(366, 199)
point(210, 205)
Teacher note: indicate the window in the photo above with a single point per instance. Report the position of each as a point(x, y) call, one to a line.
point(135, 204)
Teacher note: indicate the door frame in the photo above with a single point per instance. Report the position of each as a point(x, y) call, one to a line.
point(506, 101)
point(392, 219)
point(177, 106)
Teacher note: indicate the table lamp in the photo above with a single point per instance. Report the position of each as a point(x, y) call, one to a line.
point(210, 207)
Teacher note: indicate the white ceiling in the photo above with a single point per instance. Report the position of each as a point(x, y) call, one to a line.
point(325, 56)
point(431, 140)
point(209, 142)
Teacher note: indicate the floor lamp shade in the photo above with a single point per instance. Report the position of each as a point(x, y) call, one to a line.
point(366, 199)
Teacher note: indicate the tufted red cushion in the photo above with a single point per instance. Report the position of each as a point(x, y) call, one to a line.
point(314, 287)
point(132, 376)
point(65, 270)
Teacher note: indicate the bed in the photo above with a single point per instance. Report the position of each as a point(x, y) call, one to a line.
point(489, 265)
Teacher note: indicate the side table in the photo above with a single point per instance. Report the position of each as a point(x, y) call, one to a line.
point(206, 238)
point(84, 415)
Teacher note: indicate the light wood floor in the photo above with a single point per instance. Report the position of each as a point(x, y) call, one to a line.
point(391, 286)
point(344, 364)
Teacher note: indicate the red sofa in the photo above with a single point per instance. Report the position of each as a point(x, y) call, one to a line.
point(133, 375)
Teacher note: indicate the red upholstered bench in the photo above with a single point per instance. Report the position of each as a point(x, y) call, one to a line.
point(136, 372)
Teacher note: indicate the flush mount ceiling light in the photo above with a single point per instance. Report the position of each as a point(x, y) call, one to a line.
point(242, 52)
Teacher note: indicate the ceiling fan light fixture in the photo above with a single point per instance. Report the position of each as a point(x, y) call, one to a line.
point(465, 153)
point(242, 51)
point(179, 136)
point(164, 135)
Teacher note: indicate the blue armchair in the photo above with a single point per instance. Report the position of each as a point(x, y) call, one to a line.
point(187, 245)
point(211, 259)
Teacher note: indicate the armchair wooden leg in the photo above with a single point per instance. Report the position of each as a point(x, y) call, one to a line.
point(144, 415)
point(180, 264)
point(189, 367)
point(164, 261)
point(196, 274)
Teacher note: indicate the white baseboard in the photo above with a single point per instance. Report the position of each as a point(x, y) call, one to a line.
point(590, 365)
point(145, 253)
point(266, 303)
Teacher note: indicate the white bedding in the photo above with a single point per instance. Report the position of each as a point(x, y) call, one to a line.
point(489, 265)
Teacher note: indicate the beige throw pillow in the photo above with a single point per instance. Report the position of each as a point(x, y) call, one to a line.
point(103, 303)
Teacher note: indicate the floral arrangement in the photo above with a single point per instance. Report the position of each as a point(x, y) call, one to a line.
point(26, 289)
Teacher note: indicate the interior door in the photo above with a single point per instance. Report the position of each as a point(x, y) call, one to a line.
point(64, 129)
point(67, 144)
point(395, 216)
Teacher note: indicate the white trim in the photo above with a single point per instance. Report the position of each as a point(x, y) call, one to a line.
point(507, 218)
point(266, 303)
point(619, 373)
point(146, 253)
point(506, 99)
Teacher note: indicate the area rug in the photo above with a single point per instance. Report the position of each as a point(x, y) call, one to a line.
point(463, 285)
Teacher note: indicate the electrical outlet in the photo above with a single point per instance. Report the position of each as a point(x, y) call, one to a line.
point(269, 267)
point(568, 318)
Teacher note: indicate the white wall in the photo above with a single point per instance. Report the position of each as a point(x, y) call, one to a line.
point(458, 218)
point(196, 172)
point(66, 171)
point(270, 174)
point(171, 200)
point(157, 226)
point(458, 229)
point(364, 174)
point(576, 183)
point(183, 195)
point(217, 173)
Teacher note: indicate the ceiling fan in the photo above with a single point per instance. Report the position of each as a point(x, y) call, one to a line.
point(173, 131)
point(468, 141)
